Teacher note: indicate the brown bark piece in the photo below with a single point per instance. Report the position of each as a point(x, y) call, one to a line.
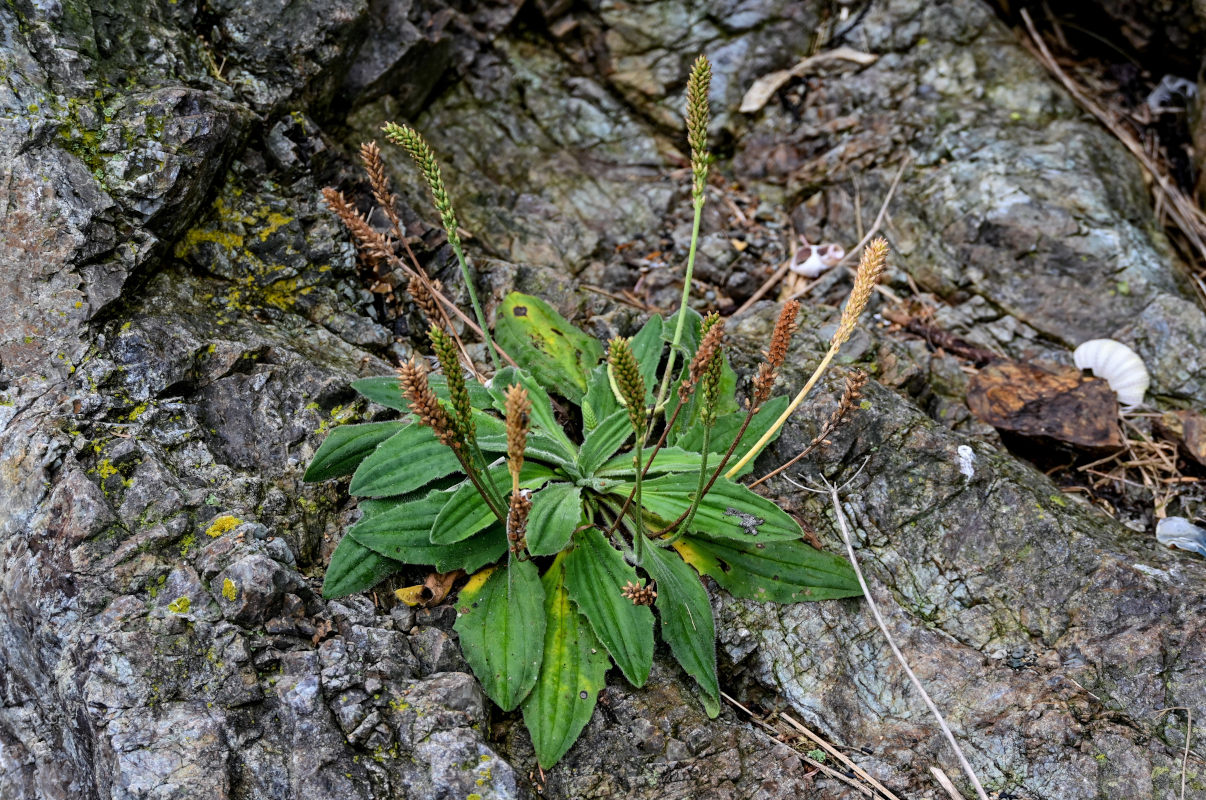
point(1046, 400)
point(1194, 427)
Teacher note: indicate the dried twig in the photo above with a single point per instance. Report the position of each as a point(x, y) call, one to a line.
point(836, 500)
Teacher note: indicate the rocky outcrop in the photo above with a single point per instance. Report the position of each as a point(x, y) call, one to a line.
point(183, 320)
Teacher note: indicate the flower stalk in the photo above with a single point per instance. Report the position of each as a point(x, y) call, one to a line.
point(414, 144)
point(870, 267)
point(697, 113)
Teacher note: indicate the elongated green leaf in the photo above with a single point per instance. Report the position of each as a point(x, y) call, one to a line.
point(546, 432)
point(726, 427)
point(354, 568)
point(408, 460)
point(599, 395)
point(403, 533)
point(346, 446)
point(573, 673)
point(729, 510)
point(386, 391)
point(556, 511)
point(778, 572)
point(596, 574)
point(501, 625)
point(601, 443)
point(547, 344)
point(669, 459)
point(466, 512)
point(687, 624)
point(647, 347)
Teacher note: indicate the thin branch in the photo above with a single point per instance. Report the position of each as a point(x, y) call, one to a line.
point(832, 491)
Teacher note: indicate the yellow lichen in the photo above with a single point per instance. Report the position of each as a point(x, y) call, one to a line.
point(222, 525)
point(106, 469)
point(229, 590)
point(180, 605)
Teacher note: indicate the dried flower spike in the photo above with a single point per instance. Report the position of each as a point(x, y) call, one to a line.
point(628, 380)
point(639, 595)
point(370, 156)
point(425, 405)
point(424, 298)
point(870, 267)
point(519, 409)
point(372, 243)
point(697, 123)
point(517, 520)
point(764, 381)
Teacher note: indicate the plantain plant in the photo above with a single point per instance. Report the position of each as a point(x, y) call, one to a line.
point(580, 488)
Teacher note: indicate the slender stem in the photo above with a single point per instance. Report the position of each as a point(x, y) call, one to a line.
point(682, 313)
point(656, 449)
point(700, 489)
point(475, 478)
point(477, 307)
point(879, 620)
point(795, 403)
point(491, 487)
point(684, 519)
point(638, 536)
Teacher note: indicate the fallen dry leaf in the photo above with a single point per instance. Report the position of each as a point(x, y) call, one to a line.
point(1046, 400)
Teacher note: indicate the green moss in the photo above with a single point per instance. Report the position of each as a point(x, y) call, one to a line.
point(221, 525)
point(229, 590)
point(106, 469)
point(187, 544)
point(180, 605)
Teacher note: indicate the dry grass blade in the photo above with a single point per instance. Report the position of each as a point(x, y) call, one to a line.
point(1188, 217)
point(839, 755)
point(869, 791)
point(945, 783)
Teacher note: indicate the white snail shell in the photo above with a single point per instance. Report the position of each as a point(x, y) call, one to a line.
point(1118, 365)
point(817, 259)
point(1180, 532)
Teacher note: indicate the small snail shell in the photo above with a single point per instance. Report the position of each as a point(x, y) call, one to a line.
point(1180, 532)
point(1118, 365)
point(817, 259)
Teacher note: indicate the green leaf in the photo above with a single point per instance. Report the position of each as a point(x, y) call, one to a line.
point(775, 572)
point(466, 511)
point(386, 391)
point(726, 427)
point(595, 575)
point(647, 347)
point(571, 676)
point(687, 624)
point(403, 533)
point(346, 446)
point(408, 460)
point(690, 339)
point(600, 395)
point(669, 459)
point(354, 568)
point(601, 443)
point(545, 343)
point(728, 510)
point(546, 435)
point(556, 511)
point(501, 626)
point(689, 417)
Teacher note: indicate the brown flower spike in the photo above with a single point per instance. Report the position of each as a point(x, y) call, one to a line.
point(639, 595)
point(519, 409)
point(768, 370)
point(425, 405)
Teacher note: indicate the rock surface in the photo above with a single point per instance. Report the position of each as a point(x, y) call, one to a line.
point(184, 319)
